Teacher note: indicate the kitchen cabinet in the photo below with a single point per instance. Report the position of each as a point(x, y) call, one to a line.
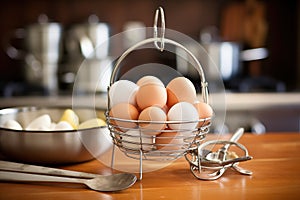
point(186, 16)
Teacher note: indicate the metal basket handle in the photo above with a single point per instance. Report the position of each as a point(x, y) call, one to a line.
point(163, 28)
point(162, 40)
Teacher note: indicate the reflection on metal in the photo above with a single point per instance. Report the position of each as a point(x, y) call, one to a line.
point(254, 54)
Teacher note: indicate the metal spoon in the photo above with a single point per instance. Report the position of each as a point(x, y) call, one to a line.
point(34, 169)
point(115, 182)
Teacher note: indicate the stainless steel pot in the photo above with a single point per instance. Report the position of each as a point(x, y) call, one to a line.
point(88, 56)
point(41, 52)
point(228, 57)
point(89, 40)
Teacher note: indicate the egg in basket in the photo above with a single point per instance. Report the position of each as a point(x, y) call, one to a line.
point(152, 120)
point(156, 122)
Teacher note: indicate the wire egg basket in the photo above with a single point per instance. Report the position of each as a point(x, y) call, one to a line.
point(129, 135)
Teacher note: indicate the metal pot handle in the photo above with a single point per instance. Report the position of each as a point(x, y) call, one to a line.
point(12, 51)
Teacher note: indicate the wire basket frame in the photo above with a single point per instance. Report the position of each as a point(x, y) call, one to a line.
point(141, 145)
point(133, 140)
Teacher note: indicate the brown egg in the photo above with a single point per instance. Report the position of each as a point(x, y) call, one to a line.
point(180, 89)
point(124, 111)
point(204, 111)
point(149, 79)
point(153, 115)
point(151, 94)
point(169, 141)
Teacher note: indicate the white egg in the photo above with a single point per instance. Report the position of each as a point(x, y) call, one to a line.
point(41, 123)
point(43, 128)
point(123, 91)
point(134, 140)
point(183, 111)
point(52, 126)
point(63, 126)
point(12, 124)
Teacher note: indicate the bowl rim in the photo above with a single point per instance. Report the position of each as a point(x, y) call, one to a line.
point(17, 109)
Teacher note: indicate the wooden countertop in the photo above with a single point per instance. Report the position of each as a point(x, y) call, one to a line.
point(275, 166)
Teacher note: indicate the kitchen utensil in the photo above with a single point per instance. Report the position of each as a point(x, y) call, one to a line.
point(221, 153)
point(208, 165)
point(52, 147)
point(84, 39)
point(241, 170)
point(41, 52)
point(210, 173)
point(109, 183)
point(93, 75)
point(88, 55)
point(42, 40)
point(207, 176)
point(34, 169)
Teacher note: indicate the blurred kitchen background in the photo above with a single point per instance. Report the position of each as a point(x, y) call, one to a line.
point(257, 40)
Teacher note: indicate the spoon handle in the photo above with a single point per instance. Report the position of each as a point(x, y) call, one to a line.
point(19, 176)
point(236, 136)
point(18, 167)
